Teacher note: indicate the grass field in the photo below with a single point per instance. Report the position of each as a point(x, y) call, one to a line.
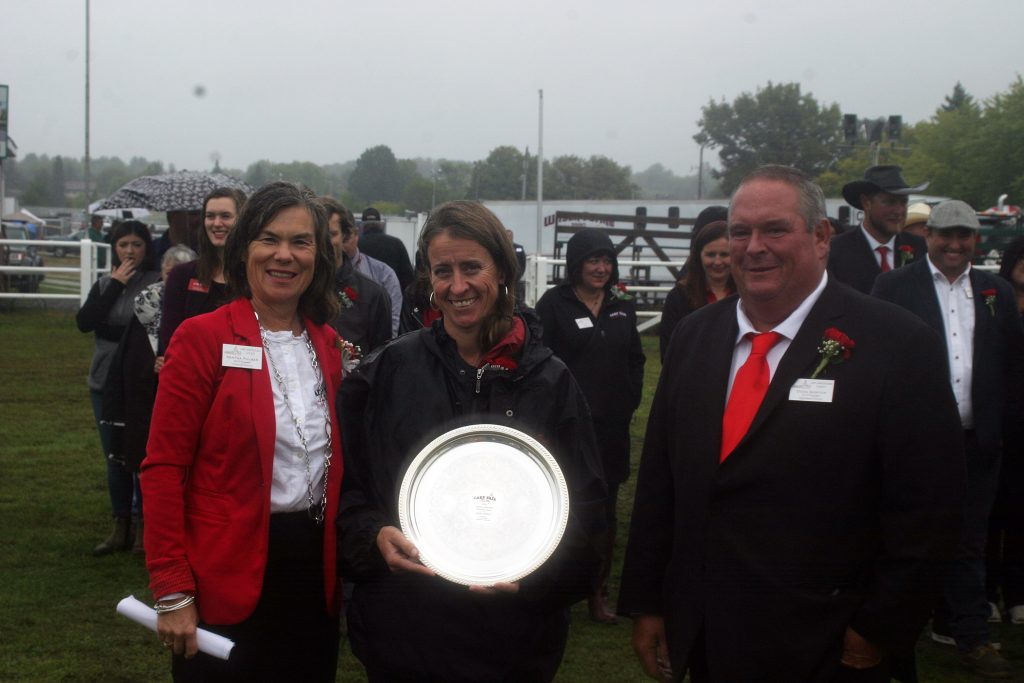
point(57, 619)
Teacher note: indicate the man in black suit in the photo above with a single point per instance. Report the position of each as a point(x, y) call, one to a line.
point(374, 242)
point(857, 256)
point(808, 550)
point(976, 314)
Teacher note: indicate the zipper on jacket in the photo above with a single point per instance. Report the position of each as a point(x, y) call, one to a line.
point(479, 375)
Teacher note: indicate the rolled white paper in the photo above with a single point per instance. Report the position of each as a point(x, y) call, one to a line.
point(211, 643)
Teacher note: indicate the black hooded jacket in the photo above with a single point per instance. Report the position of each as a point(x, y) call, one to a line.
point(604, 352)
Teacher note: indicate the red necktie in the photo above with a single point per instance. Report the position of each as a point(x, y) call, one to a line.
point(884, 251)
point(748, 390)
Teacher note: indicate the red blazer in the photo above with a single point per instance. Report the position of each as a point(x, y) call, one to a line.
point(207, 474)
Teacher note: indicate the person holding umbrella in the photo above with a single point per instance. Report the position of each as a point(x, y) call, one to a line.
point(199, 286)
point(243, 465)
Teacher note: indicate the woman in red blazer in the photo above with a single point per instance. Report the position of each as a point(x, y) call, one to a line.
point(243, 465)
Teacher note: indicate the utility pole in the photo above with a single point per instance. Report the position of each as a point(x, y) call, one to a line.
point(88, 192)
point(540, 173)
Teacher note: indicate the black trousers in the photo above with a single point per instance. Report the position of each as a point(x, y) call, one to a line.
point(290, 636)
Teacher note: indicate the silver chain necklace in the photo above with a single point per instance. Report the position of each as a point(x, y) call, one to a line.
point(316, 512)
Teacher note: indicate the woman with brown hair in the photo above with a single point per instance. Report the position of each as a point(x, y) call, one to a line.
point(200, 286)
point(481, 362)
point(243, 464)
point(708, 279)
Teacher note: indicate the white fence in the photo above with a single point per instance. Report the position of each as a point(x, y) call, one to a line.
point(86, 272)
point(538, 275)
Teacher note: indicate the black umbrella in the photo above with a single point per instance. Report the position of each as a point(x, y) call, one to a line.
point(179, 191)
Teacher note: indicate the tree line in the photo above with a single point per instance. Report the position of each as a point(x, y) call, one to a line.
point(967, 150)
point(377, 177)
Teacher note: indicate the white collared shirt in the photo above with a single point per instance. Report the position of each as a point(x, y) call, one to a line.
point(875, 244)
point(956, 303)
point(788, 329)
point(289, 491)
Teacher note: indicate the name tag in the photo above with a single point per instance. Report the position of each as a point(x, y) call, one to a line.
point(235, 356)
point(584, 323)
point(813, 390)
point(195, 285)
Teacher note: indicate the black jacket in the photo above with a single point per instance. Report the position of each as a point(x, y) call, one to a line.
point(997, 364)
point(676, 307)
point(603, 353)
point(851, 261)
point(365, 318)
point(826, 515)
point(402, 396)
point(389, 249)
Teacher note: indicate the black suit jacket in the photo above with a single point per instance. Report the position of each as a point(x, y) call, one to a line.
point(826, 515)
point(851, 260)
point(997, 363)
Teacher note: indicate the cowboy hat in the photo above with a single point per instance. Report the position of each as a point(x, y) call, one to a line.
point(879, 178)
point(917, 213)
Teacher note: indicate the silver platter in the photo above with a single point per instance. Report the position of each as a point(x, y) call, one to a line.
point(484, 504)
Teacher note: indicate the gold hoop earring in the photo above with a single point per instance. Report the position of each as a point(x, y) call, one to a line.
point(433, 304)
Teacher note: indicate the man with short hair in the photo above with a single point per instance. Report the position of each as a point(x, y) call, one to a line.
point(976, 314)
point(801, 474)
point(373, 241)
point(378, 271)
point(364, 318)
point(858, 256)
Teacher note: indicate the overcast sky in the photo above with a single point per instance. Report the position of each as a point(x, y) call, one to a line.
point(321, 81)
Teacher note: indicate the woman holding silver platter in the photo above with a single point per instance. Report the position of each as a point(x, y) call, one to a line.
point(481, 363)
point(243, 465)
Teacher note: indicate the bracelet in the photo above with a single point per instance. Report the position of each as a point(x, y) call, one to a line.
point(174, 606)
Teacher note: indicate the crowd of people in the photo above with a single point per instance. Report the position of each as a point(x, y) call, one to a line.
point(833, 456)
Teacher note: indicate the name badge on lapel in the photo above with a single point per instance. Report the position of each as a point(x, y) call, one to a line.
point(195, 285)
point(584, 323)
point(812, 390)
point(236, 356)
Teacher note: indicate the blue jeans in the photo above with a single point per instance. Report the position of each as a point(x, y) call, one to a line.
point(965, 604)
point(123, 486)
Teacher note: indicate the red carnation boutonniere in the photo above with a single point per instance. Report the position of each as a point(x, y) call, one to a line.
point(350, 354)
point(906, 254)
point(620, 292)
point(990, 300)
point(348, 297)
point(834, 349)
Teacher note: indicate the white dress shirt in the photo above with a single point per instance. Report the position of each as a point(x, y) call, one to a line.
point(875, 244)
point(288, 489)
point(956, 302)
point(788, 330)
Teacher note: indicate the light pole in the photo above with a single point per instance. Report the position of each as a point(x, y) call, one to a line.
point(88, 193)
point(540, 170)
